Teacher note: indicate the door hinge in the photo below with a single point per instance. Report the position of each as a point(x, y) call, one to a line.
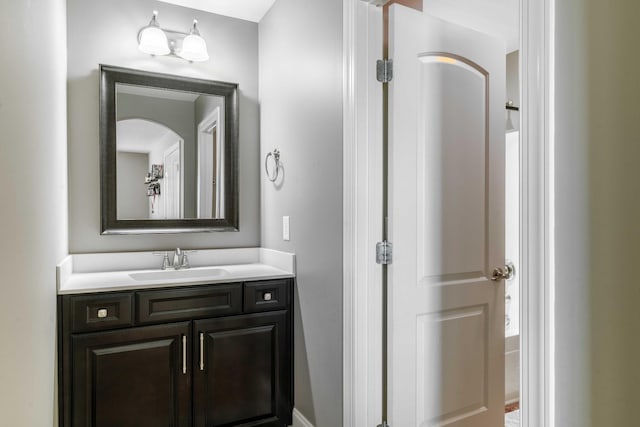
point(384, 70)
point(384, 253)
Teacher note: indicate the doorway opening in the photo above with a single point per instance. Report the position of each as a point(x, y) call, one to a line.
point(363, 154)
point(513, 216)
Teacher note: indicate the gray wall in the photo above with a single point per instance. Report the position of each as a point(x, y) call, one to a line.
point(205, 105)
point(513, 85)
point(132, 198)
point(573, 365)
point(33, 229)
point(597, 212)
point(301, 114)
point(102, 32)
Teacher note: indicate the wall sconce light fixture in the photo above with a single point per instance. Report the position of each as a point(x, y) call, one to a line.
point(158, 41)
point(510, 107)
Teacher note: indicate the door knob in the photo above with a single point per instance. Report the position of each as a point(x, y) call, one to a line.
point(507, 272)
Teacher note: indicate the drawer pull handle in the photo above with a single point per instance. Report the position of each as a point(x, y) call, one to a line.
point(267, 296)
point(184, 354)
point(201, 351)
point(102, 313)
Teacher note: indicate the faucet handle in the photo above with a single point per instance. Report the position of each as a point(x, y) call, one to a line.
point(165, 260)
point(185, 259)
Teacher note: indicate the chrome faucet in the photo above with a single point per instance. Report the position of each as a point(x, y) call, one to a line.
point(178, 257)
point(180, 260)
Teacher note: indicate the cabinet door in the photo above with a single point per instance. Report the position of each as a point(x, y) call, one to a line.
point(138, 377)
point(242, 370)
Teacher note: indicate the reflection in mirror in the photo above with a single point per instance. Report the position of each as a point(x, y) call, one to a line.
point(168, 153)
point(180, 136)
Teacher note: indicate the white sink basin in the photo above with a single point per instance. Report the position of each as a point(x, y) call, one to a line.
point(199, 273)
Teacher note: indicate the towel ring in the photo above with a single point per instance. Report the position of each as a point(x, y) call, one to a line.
point(276, 158)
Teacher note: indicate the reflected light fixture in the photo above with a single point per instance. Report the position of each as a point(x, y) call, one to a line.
point(510, 127)
point(510, 107)
point(155, 40)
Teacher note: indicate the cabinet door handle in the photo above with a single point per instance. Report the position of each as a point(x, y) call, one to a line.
point(201, 351)
point(184, 354)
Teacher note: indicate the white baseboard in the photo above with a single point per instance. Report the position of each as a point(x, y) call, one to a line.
point(299, 420)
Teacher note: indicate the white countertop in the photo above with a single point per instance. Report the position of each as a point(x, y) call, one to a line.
point(85, 273)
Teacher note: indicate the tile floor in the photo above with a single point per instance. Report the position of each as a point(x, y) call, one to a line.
point(512, 415)
point(512, 419)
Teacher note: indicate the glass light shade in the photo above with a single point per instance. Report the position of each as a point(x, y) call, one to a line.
point(194, 48)
point(510, 127)
point(153, 41)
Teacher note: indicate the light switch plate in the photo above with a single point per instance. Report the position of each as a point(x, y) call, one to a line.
point(285, 228)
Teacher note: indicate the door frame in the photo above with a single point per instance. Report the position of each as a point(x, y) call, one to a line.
point(362, 214)
point(205, 128)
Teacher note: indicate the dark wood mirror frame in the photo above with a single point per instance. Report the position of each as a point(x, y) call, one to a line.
point(110, 224)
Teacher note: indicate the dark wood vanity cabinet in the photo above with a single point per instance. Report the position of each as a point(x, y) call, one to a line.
point(131, 378)
point(239, 375)
point(213, 355)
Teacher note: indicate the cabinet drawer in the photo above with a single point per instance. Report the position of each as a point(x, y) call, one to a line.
point(266, 296)
point(96, 312)
point(185, 304)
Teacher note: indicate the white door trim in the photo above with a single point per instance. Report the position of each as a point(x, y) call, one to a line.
point(537, 234)
point(362, 218)
point(362, 222)
point(205, 127)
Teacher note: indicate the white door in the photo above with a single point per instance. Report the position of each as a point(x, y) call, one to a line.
point(173, 183)
point(446, 189)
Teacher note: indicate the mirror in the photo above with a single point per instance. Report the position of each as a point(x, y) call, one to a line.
point(168, 153)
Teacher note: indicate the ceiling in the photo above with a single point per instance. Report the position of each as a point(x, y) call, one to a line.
point(249, 10)
point(499, 18)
